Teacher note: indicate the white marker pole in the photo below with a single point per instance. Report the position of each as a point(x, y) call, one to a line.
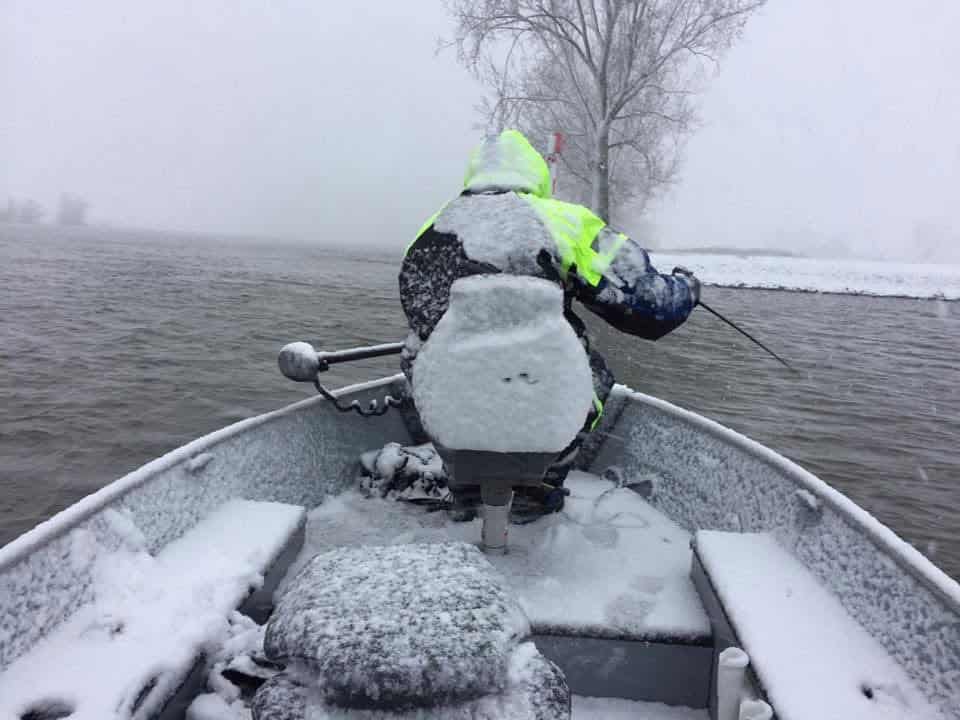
point(755, 710)
point(731, 669)
point(555, 147)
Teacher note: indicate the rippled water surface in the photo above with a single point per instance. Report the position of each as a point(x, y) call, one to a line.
point(116, 347)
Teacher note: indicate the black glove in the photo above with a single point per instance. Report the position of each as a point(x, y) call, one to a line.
point(692, 281)
point(548, 264)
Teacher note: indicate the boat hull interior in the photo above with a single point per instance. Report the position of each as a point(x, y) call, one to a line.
point(682, 480)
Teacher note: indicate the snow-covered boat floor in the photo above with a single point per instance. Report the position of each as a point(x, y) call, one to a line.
point(608, 565)
point(591, 708)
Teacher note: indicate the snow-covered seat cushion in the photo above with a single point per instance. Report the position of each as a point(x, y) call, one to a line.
point(536, 690)
point(280, 698)
point(398, 626)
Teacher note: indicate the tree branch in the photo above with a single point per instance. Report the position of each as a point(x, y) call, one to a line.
point(624, 71)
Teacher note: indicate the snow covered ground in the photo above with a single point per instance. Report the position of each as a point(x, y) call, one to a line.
point(857, 277)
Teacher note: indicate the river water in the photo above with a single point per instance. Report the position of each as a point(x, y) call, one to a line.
point(116, 347)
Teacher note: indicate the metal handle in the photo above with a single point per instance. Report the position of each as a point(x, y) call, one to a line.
point(360, 353)
point(300, 362)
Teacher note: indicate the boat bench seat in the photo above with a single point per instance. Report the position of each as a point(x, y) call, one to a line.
point(128, 652)
point(428, 628)
point(809, 657)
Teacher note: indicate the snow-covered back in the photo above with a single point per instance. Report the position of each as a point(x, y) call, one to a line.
point(813, 660)
point(150, 616)
point(858, 277)
point(503, 370)
point(608, 565)
point(503, 230)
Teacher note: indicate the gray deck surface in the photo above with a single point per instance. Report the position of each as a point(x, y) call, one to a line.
point(608, 565)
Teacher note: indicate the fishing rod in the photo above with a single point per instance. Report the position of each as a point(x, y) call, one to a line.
point(747, 335)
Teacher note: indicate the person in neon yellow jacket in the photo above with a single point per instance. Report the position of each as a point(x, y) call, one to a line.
point(505, 220)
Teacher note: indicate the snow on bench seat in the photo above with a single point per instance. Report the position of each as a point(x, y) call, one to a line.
point(608, 565)
point(813, 660)
point(130, 648)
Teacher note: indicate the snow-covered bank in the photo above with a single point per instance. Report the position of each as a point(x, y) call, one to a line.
point(855, 277)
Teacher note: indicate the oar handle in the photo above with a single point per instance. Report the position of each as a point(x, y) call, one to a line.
point(300, 362)
point(359, 353)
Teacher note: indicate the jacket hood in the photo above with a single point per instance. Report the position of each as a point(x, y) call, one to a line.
point(507, 162)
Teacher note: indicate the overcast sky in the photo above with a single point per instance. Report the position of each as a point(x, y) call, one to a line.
point(830, 124)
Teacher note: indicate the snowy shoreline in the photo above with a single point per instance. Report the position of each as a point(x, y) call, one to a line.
point(840, 277)
point(848, 292)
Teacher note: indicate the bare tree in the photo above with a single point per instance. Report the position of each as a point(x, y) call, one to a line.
point(22, 211)
point(616, 76)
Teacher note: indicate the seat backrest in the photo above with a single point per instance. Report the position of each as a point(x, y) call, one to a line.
point(503, 370)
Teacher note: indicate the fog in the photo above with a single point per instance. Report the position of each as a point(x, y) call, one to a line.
point(831, 128)
point(322, 121)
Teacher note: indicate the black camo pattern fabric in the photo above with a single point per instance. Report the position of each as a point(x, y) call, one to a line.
point(429, 270)
point(434, 262)
point(541, 694)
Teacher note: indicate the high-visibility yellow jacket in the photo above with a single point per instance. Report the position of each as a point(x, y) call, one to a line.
point(506, 221)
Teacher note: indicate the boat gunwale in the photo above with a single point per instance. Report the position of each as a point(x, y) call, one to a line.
point(884, 539)
point(907, 557)
point(85, 508)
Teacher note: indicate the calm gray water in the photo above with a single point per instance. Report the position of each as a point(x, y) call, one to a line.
point(117, 347)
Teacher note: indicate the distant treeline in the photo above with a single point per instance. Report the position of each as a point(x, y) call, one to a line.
point(72, 210)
